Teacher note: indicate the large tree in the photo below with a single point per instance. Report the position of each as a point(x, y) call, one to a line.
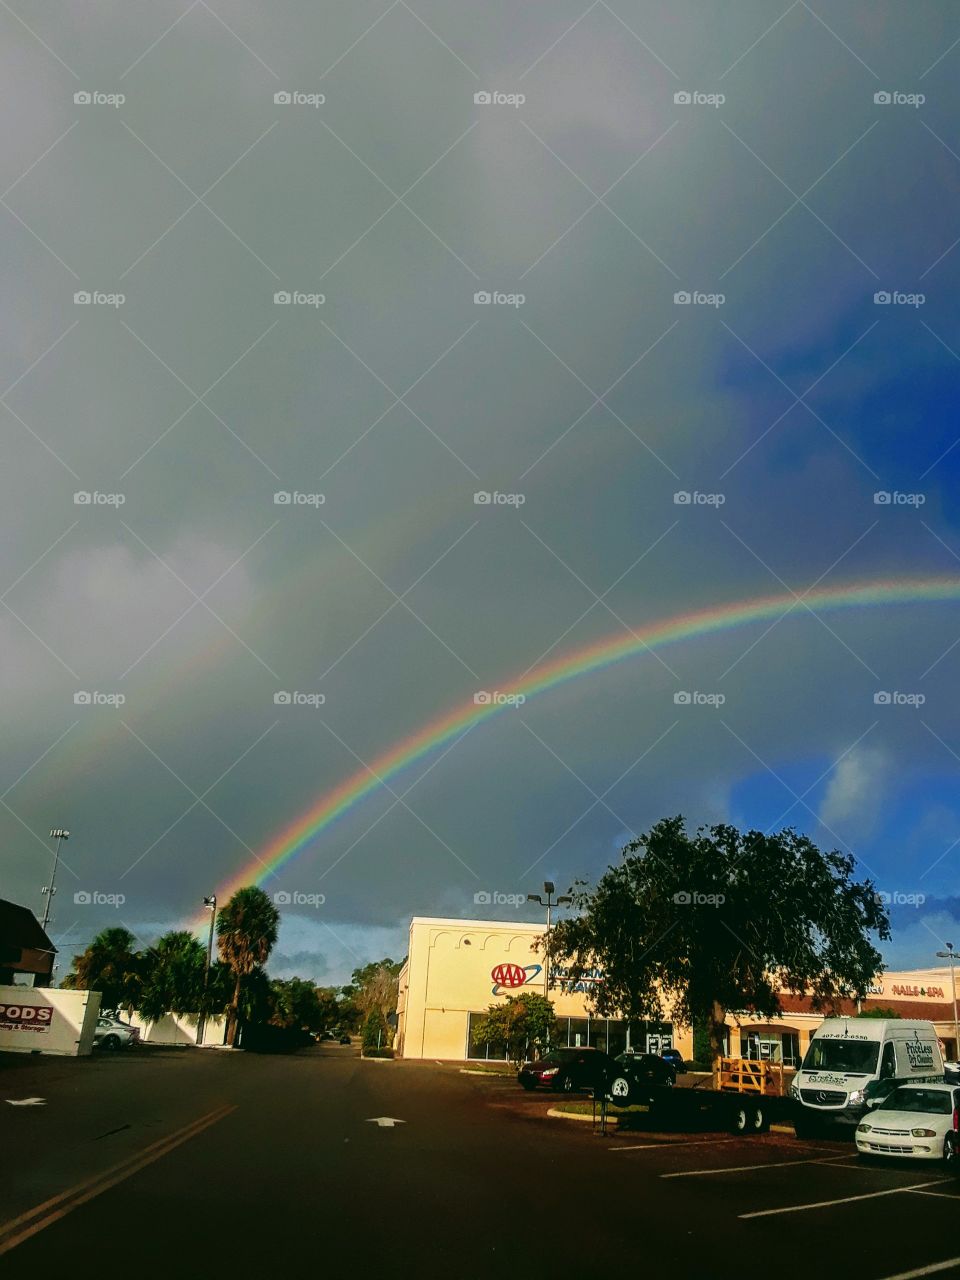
point(108, 965)
point(296, 1005)
point(373, 987)
point(723, 921)
point(172, 976)
point(247, 928)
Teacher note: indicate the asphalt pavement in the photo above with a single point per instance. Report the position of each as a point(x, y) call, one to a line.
point(182, 1162)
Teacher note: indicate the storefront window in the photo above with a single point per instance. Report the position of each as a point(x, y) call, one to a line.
point(579, 1033)
point(616, 1037)
point(483, 1049)
point(650, 1037)
point(598, 1033)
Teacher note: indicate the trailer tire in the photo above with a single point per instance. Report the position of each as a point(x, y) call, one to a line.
point(761, 1120)
point(740, 1120)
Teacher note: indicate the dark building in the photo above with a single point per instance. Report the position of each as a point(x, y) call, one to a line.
point(24, 947)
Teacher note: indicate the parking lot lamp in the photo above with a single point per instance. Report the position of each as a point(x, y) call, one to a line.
point(211, 904)
point(549, 888)
point(950, 955)
point(58, 834)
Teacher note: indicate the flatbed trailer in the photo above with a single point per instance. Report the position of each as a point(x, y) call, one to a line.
point(744, 1096)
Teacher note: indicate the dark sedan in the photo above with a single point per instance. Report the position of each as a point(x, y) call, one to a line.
point(568, 1070)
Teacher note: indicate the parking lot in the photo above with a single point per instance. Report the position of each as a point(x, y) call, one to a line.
point(774, 1189)
point(462, 1164)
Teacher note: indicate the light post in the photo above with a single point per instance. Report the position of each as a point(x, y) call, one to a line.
point(58, 834)
point(951, 955)
point(211, 904)
point(549, 888)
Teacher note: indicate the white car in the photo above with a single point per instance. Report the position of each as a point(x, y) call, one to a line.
point(111, 1033)
point(918, 1121)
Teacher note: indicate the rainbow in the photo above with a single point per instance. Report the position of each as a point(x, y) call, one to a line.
point(332, 805)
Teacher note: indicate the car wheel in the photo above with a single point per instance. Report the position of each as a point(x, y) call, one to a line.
point(566, 1084)
point(669, 1082)
point(528, 1084)
point(619, 1091)
point(110, 1042)
point(951, 1155)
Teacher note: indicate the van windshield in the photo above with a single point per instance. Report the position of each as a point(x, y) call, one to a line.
point(853, 1057)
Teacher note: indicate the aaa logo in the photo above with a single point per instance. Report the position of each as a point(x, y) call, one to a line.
point(506, 977)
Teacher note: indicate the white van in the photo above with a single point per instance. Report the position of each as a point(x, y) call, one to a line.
point(853, 1063)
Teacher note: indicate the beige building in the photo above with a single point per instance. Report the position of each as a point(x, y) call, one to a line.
point(912, 993)
point(456, 969)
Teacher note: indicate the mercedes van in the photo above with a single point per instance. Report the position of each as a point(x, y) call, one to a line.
point(854, 1063)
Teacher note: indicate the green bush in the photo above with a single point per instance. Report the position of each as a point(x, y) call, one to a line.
point(375, 1033)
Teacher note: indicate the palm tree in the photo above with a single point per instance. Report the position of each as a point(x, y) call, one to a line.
point(109, 965)
point(172, 976)
point(246, 932)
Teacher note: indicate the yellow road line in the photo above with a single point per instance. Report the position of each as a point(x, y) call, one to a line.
point(58, 1206)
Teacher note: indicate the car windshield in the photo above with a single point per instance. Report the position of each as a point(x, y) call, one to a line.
point(933, 1102)
point(853, 1057)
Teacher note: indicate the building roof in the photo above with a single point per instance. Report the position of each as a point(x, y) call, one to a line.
point(534, 926)
point(20, 928)
point(922, 1010)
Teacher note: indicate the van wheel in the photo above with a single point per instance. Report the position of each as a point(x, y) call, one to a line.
point(951, 1155)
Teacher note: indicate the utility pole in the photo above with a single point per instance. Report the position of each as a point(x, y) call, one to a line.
point(549, 888)
point(58, 834)
point(211, 904)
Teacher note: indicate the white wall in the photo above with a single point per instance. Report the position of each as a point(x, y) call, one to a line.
point(176, 1028)
point(47, 1020)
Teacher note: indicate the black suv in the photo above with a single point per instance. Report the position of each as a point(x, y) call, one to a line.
point(675, 1058)
point(636, 1077)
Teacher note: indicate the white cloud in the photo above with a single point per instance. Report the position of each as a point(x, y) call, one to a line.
point(856, 790)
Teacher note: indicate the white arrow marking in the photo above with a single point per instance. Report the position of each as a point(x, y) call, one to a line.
point(385, 1122)
point(26, 1102)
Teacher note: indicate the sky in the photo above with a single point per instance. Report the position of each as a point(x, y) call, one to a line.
point(289, 290)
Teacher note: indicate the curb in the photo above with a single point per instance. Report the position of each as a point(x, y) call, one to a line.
point(575, 1115)
point(493, 1075)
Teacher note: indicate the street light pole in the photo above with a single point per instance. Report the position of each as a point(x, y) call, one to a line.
point(549, 888)
point(58, 834)
point(211, 904)
point(951, 955)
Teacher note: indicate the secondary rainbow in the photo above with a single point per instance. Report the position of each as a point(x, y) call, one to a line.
point(339, 800)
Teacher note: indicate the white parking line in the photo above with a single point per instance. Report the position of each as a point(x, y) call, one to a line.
point(826, 1204)
point(747, 1168)
point(930, 1270)
point(672, 1146)
point(944, 1195)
